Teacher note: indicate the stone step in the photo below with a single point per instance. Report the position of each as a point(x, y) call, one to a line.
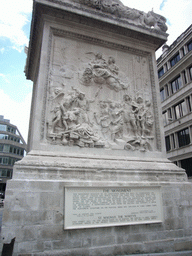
point(183, 253)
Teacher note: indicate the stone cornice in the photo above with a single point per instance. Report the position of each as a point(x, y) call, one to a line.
point(94, 13)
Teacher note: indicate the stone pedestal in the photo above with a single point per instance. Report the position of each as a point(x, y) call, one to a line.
point(96, 180)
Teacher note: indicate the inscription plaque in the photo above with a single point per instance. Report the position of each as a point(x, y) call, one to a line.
point(87, 207)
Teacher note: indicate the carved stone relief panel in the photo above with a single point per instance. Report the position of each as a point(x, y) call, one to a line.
point(99, 97)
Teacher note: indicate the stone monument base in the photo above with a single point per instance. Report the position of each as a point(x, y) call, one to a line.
point(35, 211)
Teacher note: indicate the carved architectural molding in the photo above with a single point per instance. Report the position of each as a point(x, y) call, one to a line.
point(115, 7)
point(97, 41)
point(116, 10)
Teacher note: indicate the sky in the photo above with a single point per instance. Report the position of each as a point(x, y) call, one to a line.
point(15, 20)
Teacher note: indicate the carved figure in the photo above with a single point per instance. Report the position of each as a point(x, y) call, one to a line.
point(58, 110)
point(140, 116)
point(102, 72)
point(85, 136)
point(72, 118)
point(71, 111)
point(144, 117)
point(103, 119)
point(116, 7)
point(82, 103)
point(149, 120)
point(141, 144)
point(152, 19)
point(70, 122)
point(71, 125)
point(116, 124)
point(99, 68)
point(129, 114)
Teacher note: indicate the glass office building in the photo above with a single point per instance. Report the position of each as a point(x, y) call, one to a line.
point(12, 149)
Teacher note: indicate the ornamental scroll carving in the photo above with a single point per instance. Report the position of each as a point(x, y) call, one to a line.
point(78, 119)
point(116, 7)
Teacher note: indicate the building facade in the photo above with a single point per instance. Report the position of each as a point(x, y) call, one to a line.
point(12, 149)
point(175, 79)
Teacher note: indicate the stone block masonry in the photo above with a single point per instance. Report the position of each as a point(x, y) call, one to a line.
point(35, 215)
point(96, 124)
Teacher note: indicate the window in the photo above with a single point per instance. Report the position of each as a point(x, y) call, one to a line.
point(8, 160)
point(9, 172)
point(180, 109)
point(162, 94)
point(183, 137)
point(6, 148)
point(190, 72)
point(188, 103)
point(3, 137)
point(160, 73)
point(8, 137)
point(3, 127)
point(175, 59)
point(5, 173)
point(176, 84)
point(182, 52)
point(11, 129)
point(169, 115)
point(173, 140)
point(189, 46)
point(167, 90)
point(165, 118)
point(184, 77)
point(5, 160)
point(186, 164)
point(10, 149)
point(22, 152)
point(167, 143)
point(16, 132)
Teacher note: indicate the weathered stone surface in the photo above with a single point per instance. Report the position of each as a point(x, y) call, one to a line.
point(183, 245)
point(95, 122)
point(150, 238)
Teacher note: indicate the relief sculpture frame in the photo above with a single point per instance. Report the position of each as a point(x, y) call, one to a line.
point(143, 132)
